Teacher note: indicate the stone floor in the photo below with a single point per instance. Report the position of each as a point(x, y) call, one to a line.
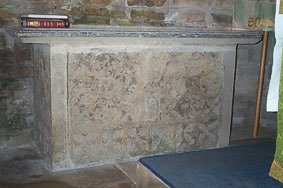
point(21, 168)
point(128, 175)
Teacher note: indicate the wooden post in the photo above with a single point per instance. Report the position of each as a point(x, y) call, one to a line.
point(260, 83)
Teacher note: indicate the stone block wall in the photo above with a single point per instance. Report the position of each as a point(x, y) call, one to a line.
point(16, 89)
point(190, 13)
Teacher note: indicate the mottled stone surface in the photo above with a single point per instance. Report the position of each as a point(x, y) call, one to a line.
point(105, 97)
point(105, 88)
point(131, 104)
point(83, 141)
point(112, 145)
point(139, 141)
point(42, 100)
point(162, 139)
point(185, 85)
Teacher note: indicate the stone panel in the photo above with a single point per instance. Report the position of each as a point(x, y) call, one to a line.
point(42, 99)
point(186, 87)
point(105, 90)
point(183, 87)
point(132, 102)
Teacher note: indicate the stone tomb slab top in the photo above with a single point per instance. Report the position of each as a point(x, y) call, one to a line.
point(84, 33)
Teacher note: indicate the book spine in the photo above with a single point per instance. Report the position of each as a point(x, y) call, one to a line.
point(44, 23)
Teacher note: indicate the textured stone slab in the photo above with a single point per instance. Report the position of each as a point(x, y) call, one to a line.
point(42, 99)
point(127, 104)
point(146, 32)
point(105, 90)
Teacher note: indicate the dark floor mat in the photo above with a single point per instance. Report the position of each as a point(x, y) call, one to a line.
point(244, 166)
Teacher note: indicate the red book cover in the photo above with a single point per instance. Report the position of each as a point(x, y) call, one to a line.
point(44, 23)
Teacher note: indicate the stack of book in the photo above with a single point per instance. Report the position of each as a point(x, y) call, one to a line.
point(44, 21)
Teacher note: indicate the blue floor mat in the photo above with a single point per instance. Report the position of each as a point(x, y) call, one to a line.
point(244, 166)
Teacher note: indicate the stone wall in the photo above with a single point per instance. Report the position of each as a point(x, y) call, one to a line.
point(16, 90)
point(190, 13)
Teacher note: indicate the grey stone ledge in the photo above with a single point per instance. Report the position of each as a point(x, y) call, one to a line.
point(27, 34)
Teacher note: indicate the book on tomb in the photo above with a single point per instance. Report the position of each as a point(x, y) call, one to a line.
point(44, 16)
point(44, 21)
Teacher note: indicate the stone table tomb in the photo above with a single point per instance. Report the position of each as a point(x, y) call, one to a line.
point(109, 94)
